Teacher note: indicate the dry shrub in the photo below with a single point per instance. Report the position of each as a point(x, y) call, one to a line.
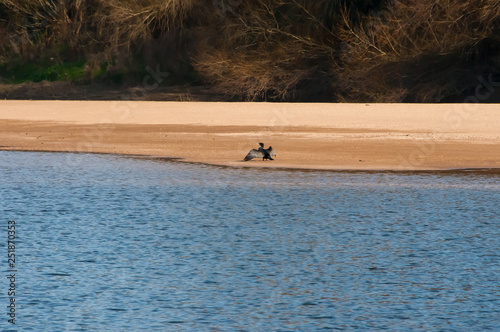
point(364, 50)
point(129, 34)
point(134, 34)
point(270, 50)
point(423, 48)
point(400, 50)
point(36, 26)
point(253, 76)
point(122, 23)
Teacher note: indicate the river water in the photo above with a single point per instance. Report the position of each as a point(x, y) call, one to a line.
point(113, 243)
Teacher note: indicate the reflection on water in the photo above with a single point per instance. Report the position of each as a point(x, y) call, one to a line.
point(113, 243)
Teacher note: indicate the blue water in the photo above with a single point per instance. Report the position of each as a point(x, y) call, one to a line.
point(110, 243)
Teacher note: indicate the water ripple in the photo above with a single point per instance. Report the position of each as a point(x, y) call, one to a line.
point(121, 244)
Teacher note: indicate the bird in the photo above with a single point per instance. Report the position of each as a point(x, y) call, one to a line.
point(261, 153)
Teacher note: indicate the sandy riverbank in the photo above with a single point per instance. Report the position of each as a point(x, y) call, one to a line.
point(315, 136)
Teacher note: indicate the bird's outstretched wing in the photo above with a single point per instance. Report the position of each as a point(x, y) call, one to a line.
point(254, 154)
point(271, 152)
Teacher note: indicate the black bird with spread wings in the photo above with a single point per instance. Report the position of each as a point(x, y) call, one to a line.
point(261, 153)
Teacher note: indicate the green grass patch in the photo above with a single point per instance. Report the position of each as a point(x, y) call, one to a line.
point(16, 72)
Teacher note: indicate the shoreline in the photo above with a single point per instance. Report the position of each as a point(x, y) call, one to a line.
point(495, 170)
point(340, 137)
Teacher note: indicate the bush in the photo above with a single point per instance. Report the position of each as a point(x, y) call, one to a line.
point(419, 50)
point(309, 50)
point(126, 34)
point(274, 49)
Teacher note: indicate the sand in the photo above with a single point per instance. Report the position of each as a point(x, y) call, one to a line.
point(308, 136)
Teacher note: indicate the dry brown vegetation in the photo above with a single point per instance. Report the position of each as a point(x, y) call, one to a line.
point(337, 50)
point(272, 50)
point(125, 35)
point(420, 50)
